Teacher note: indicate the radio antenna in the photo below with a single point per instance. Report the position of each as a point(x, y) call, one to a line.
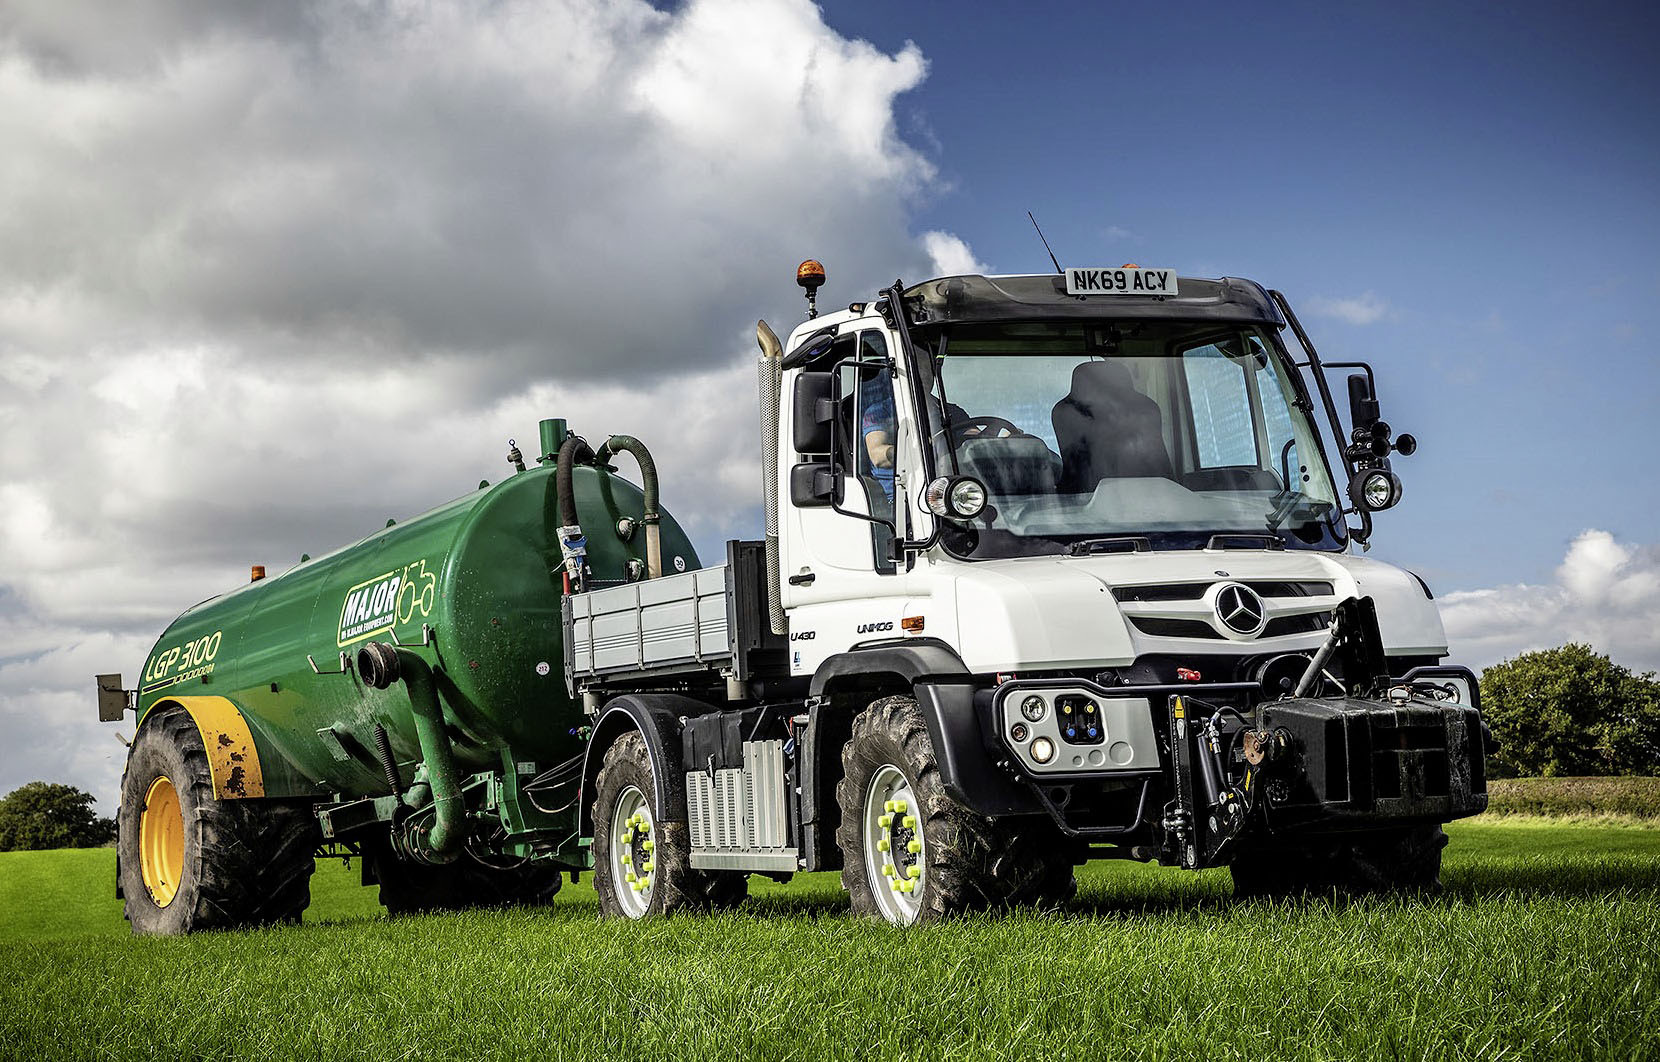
point(1046, 247)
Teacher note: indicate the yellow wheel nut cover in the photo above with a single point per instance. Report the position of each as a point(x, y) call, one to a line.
point(882, 844)
point(913, 872)
point(900, 806)
point(906, 886)
point(913, 847)
point(885, 821)
point(909, 822)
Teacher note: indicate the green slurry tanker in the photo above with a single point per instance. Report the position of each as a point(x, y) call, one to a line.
point(1056, 567)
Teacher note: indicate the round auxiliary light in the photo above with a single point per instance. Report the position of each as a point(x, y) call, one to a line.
point(1018, 731)
point(1379, 489)
point(1033, 708)
point(956, 497)
point(1043, 750)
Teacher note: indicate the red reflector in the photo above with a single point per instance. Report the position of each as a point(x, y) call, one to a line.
point(1187, 674)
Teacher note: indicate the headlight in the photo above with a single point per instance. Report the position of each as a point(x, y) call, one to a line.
point(1033, 708)
point(1376, 489)
point(1043, 750)
point(959, 497)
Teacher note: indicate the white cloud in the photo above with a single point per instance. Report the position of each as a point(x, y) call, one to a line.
point(272, 273)
point(1605, 593)
point(1364, 309)
point(948, 255)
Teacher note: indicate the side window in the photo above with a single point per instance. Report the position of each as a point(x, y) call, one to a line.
point(1220, 402)
point(877, 441)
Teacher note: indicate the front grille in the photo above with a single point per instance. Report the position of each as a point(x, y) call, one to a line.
point(1304, 624)
point(1292, 589)
point(1173, 628)
point(1195, 591)
point(1172, 592)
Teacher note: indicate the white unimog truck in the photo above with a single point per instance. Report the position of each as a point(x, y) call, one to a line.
point(1057, 567)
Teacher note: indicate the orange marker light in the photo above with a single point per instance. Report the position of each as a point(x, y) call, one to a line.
point(256, 573)
point(912, 623)
point(1129, 265)
point(810, 274)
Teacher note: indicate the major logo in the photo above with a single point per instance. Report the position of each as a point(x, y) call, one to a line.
point(376, 605)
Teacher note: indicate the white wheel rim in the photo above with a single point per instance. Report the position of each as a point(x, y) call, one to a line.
point(633, 840)
point(896, 854)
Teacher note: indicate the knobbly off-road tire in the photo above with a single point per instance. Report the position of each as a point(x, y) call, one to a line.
point(407, 887)
point(241, 862)
point(1402, 860)
point(968, 862)
point(675, 885)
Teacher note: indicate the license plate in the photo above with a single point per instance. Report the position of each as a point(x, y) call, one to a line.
point(1130, 280)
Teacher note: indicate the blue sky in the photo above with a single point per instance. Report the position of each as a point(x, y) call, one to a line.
point(1483, 183)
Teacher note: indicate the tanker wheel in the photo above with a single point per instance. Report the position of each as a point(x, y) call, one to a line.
point(1400, 860)
point(642, 851)
point(910, 853)
point(189, 861)
point(407, 887)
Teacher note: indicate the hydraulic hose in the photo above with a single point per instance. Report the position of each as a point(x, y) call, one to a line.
point(573, 545)
point(769, 370)
point(617, 444)
point(441, 844)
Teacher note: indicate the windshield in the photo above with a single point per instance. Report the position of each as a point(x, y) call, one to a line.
point(1168, 431)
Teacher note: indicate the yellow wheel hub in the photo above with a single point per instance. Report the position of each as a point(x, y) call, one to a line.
point(161, 841)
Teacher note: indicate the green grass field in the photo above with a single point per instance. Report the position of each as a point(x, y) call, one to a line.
point(1544, 945)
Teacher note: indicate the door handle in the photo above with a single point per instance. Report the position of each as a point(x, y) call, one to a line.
point(805, 579)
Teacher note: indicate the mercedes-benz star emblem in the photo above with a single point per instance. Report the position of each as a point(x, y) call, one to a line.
point(1240, 610)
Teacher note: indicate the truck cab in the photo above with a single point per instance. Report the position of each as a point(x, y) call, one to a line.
point(1153, 490)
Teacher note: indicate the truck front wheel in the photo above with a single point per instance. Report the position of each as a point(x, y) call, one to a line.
point(642, 849)
point(1377, 861)
point(912, 854)
point(189, 861)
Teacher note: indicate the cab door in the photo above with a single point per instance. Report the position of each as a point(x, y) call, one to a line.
point(839, 581)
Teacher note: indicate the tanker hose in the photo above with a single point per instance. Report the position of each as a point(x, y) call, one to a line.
point(769, 379)
point(573, 545)
point(443, 843)
point(617, 444)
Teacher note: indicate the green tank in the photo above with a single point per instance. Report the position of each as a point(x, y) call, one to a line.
point(481, 577)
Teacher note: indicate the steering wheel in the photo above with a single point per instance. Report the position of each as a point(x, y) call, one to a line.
point(982, 427)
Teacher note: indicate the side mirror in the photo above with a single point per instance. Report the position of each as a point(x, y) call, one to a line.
point(815, 484)
point(1363, 404)
point(812, 411)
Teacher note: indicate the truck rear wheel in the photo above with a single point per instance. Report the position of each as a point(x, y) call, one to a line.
point(1377, 861)
point(642, 851)
point(912, 854)
point(189, 861)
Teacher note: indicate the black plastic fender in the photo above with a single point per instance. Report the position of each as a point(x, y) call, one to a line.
point(944, 691)
point(657, 717)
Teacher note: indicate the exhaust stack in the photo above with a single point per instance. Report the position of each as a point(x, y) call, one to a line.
point(770, 372)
